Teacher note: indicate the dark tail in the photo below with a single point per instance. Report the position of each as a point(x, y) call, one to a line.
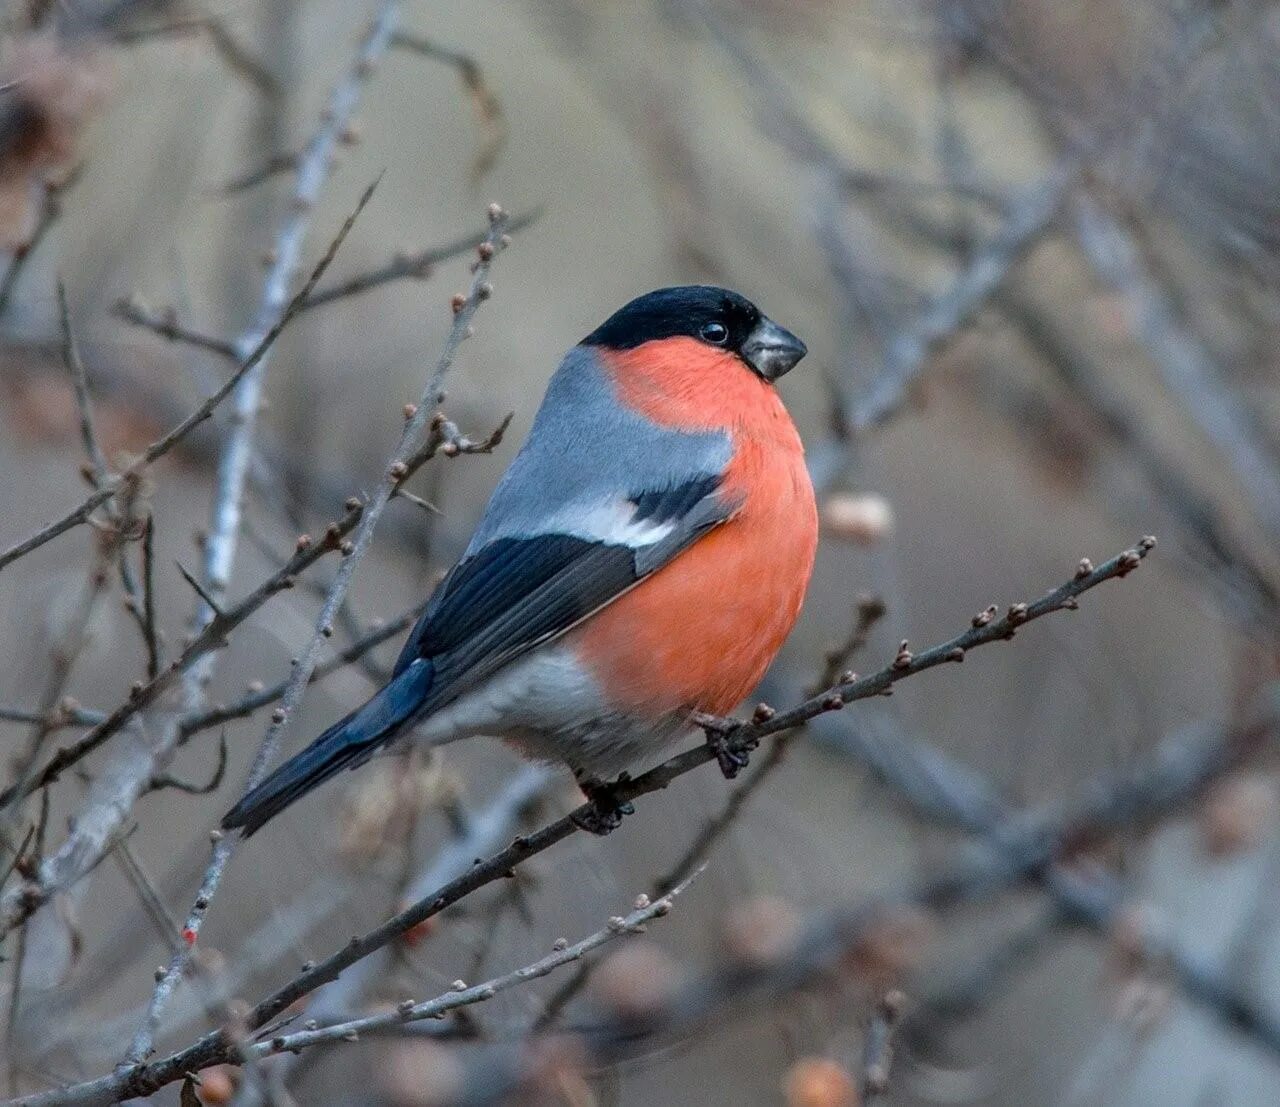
point(344, 745)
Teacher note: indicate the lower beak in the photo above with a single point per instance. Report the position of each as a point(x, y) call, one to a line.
point(772, 350)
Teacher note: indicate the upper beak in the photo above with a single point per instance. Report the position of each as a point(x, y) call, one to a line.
point(772, 350)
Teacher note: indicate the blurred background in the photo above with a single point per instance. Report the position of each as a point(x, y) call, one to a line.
point(1034, 249)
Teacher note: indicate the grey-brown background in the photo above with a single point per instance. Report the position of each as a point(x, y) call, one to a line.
point(653, 159)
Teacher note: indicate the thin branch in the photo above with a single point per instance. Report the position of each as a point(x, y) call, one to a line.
point(877, 1045)
point(200, 590)
point(943, 315)
point(415, 266)
point(1019, 851)
point(964, 881)
point(870, 610)
point(1185, 364)
point(488, 108)
point(618, 927)
point(149, 633)
point(415, 431)
point(212, 637)
point(184, 427)
point(150, 899)
point(50, 213)
point(482, 832)
point(193, 724)
point(273, 167)
point(168, 780)
point(164, 322)
point(97, 471)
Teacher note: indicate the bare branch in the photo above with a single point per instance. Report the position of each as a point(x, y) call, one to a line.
point(1186, 365)
point(84, 405)
point(398, 469)
point(210, 638)
point(164, 322)
point(982, 875)
point(50, 213)
point(167, 441)
point(488, 108)
point(618, 927)
point(415, 266)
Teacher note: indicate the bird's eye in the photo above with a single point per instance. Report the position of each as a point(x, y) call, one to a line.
point(715, 333)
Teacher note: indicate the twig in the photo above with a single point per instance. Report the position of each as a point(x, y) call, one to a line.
point(483, 832)
point(238, 59)
point(210, 638)
point(943, 315)
point(488, 108)
point(50, 212)
point(877, 1045)
point(416, 266)
point(272, 167)
point(1187, 367)
point(397, 470)
point(164, 322)
point(1231, 567)
point(143, 1079)
point(63, 715)
point(150, 899)
point(193, 724)
point(149, 634)
point(84, 405)
point(162, 445)
point(619, 926)
point(200, 591)
point(1019, 850)
point(870, 610)
point(168, 780)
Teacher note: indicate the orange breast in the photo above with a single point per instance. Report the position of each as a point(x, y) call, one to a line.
point(701, 631)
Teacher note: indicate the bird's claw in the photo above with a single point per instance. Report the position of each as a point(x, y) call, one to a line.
point(731, 756)
point(604, 811)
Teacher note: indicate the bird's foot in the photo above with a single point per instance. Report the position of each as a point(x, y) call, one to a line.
point(604, 811)
point(732, 756)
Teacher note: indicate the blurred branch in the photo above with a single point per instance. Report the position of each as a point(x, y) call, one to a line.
point(142, 1079)
point(131, 475)
point(488, 108)
point(415, 266)
point(1224, 562)
point(943, 790)
point(409, 453)
point(50, 213)
point(944, 314)
point(193, 724)
point(877, 1045)
point(1016, 849)
point(461, 996)
point(1186, 365)
point(99, 821)
point(212, 637)
point(97, 471)
point(483, 832)
point(164, 323)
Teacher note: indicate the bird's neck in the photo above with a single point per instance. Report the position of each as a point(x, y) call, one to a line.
point(684, 384)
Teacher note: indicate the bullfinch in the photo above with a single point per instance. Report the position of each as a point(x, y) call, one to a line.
point(642, 559)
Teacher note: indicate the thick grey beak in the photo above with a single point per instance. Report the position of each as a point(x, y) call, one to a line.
point(772, 350)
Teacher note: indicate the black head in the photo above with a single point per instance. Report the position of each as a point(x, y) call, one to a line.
point(714, 316)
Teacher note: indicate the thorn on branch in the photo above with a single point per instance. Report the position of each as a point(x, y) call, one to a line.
point(200, 591)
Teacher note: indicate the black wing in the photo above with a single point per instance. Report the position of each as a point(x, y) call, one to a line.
point(517, 592)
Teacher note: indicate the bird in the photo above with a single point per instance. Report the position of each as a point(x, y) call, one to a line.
point(638, 566)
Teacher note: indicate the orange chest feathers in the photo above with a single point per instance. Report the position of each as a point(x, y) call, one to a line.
point(702, 630)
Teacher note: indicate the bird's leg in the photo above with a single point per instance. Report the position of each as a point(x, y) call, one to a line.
point(605, 810)
point(731, 756)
